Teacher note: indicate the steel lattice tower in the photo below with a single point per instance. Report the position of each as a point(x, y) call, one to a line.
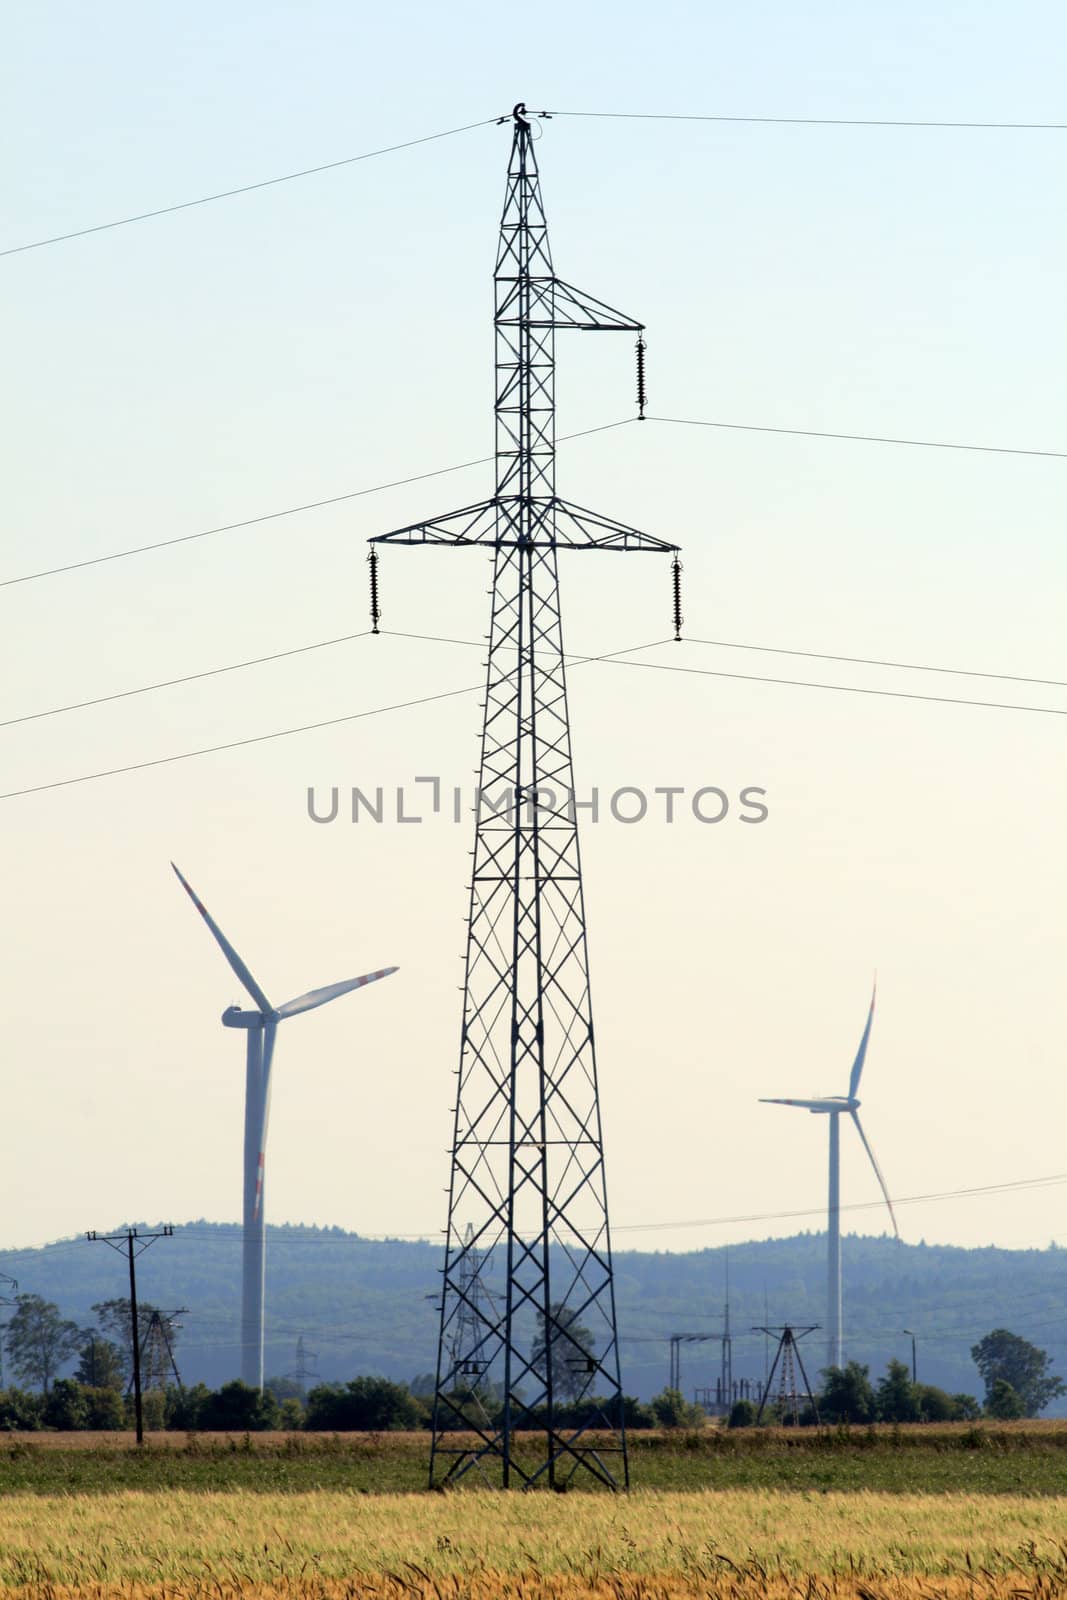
point(527, 1193)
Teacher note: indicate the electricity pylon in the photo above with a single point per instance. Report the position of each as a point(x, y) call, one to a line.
point(527, 1191)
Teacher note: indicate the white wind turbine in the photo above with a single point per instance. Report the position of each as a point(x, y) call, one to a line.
point(834, 1107)
point(261, 1026)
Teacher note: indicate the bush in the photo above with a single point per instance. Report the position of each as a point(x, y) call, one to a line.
point(20, 1411)
point(105, 1409)
point(743, 1414)
point(847, 1395)
point(672, 1410)
point(365, 1405)
point(292, 1414)
point(185, 1407)
point(238, 1408)
point(935, 1405)
point(64, 1406)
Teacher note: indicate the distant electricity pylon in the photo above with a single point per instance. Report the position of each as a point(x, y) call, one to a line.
point(157, 1348)
point(527, 1191)
point(787, 1359)
point(305, 1366)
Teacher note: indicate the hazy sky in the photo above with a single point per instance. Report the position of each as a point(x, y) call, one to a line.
point(333, 334)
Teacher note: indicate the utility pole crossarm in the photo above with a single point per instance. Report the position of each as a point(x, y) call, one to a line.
point(558, 305)
point(509, 521)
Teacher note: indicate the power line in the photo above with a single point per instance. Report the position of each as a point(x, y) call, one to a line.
point(191, 677)
point(283, 733)
point(862, 438)
point(865, 661)
point(289, 511)
point(246, 188)
point(284, 1235)
point(480, 461)
point(611, 658)
point(436, 638)
point(813, 122)
point(841, 688)
point(237, 744)
point(485, 122)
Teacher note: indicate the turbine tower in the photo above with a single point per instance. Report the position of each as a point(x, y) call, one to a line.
point(527, 1198)
point(261, 1026)
point(834, 1107)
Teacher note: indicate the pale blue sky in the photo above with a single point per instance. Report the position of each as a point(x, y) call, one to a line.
point(335, 333)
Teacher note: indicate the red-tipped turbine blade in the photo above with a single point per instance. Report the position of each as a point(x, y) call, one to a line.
point(236, 964)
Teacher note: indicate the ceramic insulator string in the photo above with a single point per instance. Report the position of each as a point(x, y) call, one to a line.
point(642, 397)
point(375, 613)
point(676, 586)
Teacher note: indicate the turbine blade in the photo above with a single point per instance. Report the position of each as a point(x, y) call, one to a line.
point(270, 1030)
point(236, 964)
point(826, 1104)
point(861, 1053)
point(877, 1171)
point(321, 997)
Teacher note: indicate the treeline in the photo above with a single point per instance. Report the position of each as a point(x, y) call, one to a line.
point(362, 1303)
point(363, 1405)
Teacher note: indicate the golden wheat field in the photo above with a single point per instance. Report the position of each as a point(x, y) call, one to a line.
point(490, 1546)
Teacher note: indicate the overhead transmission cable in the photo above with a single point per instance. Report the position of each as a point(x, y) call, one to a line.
point(480, 461)
point(612, 658)
point(288, 511)
point(285, 733)
point(815, 122)
point(245, 188)
point(436, 638)
point(485, 122)
point(286, 1233)
point(862, 438)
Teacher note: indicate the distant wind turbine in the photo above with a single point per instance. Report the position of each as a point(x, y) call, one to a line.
point(261, 1026)
point(834, 1106)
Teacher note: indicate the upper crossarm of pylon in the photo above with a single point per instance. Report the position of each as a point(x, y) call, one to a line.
point(577, 528)
point(572, 308)
point(469, 525)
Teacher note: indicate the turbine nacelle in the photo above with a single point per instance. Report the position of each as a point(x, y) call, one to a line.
point(234, 1017)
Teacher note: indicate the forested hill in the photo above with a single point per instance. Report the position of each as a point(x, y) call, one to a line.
point(367, 1305)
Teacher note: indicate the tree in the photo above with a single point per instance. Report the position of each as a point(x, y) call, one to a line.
point(39, 1341)
point(672, 1410)
point(185, 1407)
point(285, 1388)
point(937, 1406)
point(897, 1400)
point(65, 1408)
point(1003, 1402)
point(742, 1414)
point(105, 1410)
point(569, 1347)
point(100, 1365)
point(365, 1405)
point(1004, 1355)
point(20, 1411)
point(847, 1394)
point(238, 1408)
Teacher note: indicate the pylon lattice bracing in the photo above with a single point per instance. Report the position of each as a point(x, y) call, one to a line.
point(528, 1299)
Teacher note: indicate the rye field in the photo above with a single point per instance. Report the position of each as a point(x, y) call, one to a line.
point(862, 1514)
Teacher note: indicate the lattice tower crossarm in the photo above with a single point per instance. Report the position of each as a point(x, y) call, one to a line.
point(528, 1298)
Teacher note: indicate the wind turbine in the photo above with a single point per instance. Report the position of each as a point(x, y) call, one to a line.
point(261, 1026)
point(834, 1107)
